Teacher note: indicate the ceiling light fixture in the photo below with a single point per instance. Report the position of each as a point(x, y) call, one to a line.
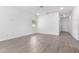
point(61, 8)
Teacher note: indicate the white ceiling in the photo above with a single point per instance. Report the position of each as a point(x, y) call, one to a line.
point(48, 9)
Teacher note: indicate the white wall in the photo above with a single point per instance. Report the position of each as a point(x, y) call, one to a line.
point(75, 23)
point(14, 22)
point(70, 25)
point(48, 24)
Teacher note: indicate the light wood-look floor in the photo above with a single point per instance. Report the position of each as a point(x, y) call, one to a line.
point(41, 43)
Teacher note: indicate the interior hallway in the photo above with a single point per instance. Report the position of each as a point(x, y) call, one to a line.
point(42, 43)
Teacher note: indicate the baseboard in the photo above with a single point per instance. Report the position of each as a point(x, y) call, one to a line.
point(17, 36)
point(48, 34)
point(57, 34)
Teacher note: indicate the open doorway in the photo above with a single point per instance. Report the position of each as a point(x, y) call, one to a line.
point(65, 23)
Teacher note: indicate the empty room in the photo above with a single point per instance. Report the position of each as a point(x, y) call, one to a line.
point(39, 29)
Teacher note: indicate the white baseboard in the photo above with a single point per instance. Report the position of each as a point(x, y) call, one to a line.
point(50, 33)
point(12, 37)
